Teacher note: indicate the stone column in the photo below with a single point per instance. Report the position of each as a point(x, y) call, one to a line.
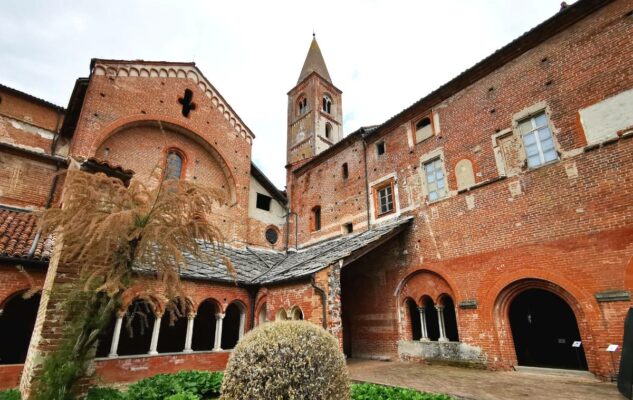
point(242, 323)
point(425, 334)
point(440, 320)
point(114, 347)
point(219, 321)
point(190, 319)
point(155, 332)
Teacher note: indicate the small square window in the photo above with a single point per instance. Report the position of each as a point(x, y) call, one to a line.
point(345, 171)
point(435, 179)
point(348, 228)
point(380, 148)
point(263, 202)
point(537, 140)
point(316, 219)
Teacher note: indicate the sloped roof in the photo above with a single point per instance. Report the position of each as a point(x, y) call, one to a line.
point(314, 63)
point(256, 266)
point(18, 231)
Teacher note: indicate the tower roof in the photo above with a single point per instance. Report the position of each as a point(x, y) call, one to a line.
point(314, 63)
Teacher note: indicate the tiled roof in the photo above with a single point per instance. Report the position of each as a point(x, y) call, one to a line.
point(255, 266)
point(17, 233)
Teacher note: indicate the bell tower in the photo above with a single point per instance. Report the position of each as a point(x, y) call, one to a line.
point(315, 112)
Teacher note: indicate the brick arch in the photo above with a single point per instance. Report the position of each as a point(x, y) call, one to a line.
point(176, 125)
point(189, 306)
point(628, 275)
point(505, 290)
point(135, 293)
point(425, 282)
point(15, 293)
point(218, 305)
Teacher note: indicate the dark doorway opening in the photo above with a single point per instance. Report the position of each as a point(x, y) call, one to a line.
point(16, 326)
point(414, 315)
point(173, 328)
point(204, 326)
point(450, 319)
point(136, 332)
point(544, 328)
point(231, 327)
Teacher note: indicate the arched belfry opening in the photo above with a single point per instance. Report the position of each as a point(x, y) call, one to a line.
point(544, 329)
point(17, 320)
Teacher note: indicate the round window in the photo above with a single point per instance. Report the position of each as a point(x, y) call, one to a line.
point(271, 235)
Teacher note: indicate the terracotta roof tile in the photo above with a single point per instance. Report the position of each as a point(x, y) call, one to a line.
point(18, 230)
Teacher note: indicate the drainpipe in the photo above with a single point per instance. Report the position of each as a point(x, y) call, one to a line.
point(288, 214)
point(252, 294)
point(323, 300)
point(49, 200)
point(366, 183)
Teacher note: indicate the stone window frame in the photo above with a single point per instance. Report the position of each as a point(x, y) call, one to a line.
point(531, 117)
point(378, 184)
point(328, 103)
point(424, 159)
point(302, 108)
point(414, 127)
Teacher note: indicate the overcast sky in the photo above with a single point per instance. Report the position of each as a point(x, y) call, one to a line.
point(383, 54)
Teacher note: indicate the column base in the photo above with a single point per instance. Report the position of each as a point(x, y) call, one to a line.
point(443, 340)
point(153, 353)
point(425, 339)
point(187, 351)
point(218, 349)
point(113, 356)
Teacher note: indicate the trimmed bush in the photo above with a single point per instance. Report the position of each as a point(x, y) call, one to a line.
point(198, 383)
point(370, 391)
point(11, 394)
point(286, 360)
point(183, 396)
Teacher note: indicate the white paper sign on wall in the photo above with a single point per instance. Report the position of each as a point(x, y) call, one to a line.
point(577, 343)
point(612, 347)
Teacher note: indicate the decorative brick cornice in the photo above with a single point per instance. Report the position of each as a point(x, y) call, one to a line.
point(168, 70)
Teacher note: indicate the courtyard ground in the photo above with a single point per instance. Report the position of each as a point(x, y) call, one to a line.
point(483, 385)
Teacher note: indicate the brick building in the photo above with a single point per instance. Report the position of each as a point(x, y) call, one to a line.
point(489, 223)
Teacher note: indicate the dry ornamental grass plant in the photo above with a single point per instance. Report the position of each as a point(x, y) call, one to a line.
point(107, 232)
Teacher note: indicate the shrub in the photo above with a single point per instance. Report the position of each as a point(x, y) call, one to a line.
point(100, 393)
point(286, 360)
point(11, 394)
point(198, 383)
point(370, 391)
point(183, 396)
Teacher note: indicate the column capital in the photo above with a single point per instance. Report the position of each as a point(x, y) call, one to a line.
point(219, 316)
point(191, 315)
point(422, 310)
point(439, 307)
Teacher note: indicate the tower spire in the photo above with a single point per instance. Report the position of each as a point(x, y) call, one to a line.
point(314, 62)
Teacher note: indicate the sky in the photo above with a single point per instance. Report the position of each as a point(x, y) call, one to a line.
point(383, 54)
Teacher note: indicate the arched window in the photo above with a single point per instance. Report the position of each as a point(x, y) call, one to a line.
point(327, 104)
point(414, 319)
point(450, 319)
point(328, 130)
point(262, 315)
point(16, 326)
point(316, 218)
point(173, 165)
point(302, 106)
point(281, 315)
point(432, 322)
point(297, 314)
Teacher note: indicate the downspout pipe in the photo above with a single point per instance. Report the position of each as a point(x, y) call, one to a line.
point(323, 296)
point(366, 182)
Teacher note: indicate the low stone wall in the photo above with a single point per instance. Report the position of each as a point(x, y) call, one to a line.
point(134, 368)
point(449, 352)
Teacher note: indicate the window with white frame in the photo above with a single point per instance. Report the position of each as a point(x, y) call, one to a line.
point(435, 179)
point(537, 140)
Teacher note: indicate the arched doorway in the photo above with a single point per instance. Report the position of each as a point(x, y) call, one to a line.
point(544, 328)
point(16, 326)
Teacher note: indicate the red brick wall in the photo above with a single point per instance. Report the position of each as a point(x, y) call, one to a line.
point(571, 224)
point(132, 369)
